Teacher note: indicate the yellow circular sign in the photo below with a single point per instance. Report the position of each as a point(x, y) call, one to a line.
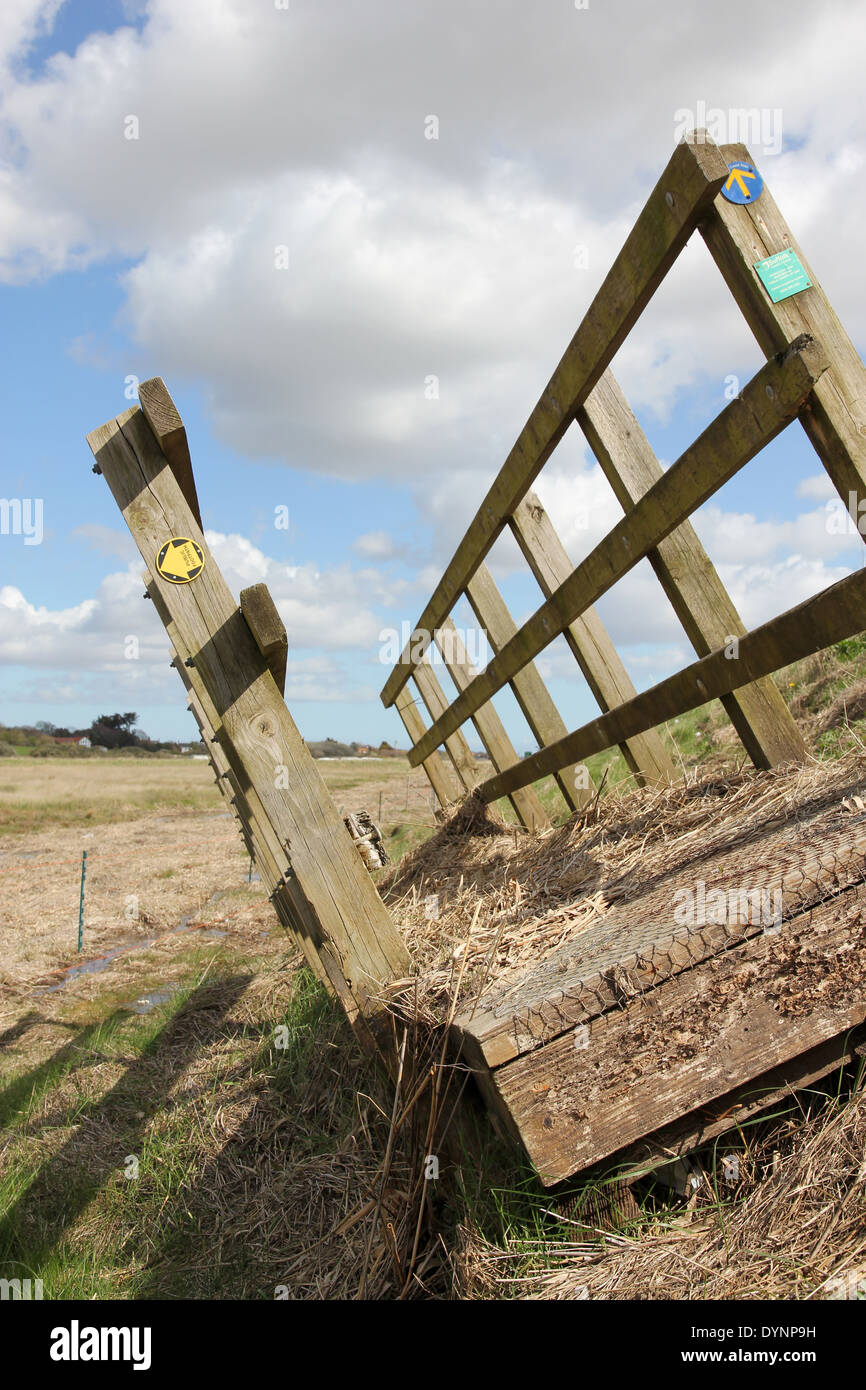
point(180, 560)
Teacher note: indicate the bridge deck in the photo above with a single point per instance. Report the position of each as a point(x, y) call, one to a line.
point(733, 975)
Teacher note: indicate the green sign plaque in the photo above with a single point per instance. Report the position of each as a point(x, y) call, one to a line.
point(782, 275)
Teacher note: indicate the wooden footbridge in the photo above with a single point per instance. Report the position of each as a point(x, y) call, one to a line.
point(641, 1036)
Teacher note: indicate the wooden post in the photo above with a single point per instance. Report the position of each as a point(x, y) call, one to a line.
point(835, 418)
point(645, 756)
point(490, 729)
point(329, 891)
point(687, 575)
point(538, 709)
point(243, 801)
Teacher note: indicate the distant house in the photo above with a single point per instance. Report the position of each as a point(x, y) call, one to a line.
point(76, 739)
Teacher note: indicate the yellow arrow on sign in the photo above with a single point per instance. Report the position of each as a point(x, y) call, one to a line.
point(740, 175)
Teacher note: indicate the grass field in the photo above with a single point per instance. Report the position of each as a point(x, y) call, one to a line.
point(190, 1116)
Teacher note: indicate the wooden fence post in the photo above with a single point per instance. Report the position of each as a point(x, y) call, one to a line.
point(738, 236)
point(326, 888)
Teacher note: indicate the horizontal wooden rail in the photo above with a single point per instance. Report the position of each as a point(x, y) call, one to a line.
point(765, 406)
point(682, 196)
point(837, 612)
point(686, 573)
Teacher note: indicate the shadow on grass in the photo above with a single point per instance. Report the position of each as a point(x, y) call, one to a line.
point(234, 1227)
point(26, 1088)
point(108, 1129)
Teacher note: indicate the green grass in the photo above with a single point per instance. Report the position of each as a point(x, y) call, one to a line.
point(69, 1215)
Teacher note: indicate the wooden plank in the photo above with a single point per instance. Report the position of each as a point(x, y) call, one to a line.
point(638, 943)
point(331, 890)
point(268, 630)
point(689, 1041)
point(261, 839)
point(587, 638)
point(835, 421)
point(837, 612)
point(687, 575)
point(770, 400)
point(168, 429)
point(531, 693)
point(771, 1088)
point(415, 728)
point(490, 729)
point(463, 760)
point(682, 196)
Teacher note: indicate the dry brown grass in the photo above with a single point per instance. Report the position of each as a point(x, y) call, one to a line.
point(794, 1227)
point(300, 1168)
point(501, 899)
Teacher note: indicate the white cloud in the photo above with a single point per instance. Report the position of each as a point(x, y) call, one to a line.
point(469, 260)
point(818, 487)
point(408, 258)
point(378, 545)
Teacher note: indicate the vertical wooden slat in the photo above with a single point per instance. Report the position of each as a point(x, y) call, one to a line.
point(489, 726)
point(415, 728)
point(687, 575)
point(462, 758)
point(597, 657)
point(531, 694)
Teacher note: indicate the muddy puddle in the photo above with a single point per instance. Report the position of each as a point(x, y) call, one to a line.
point(99, 963)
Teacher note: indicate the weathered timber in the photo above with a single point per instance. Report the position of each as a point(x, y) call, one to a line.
point(682, 196)
point(642, 941)
point(772, 1088)
point(268, 630)
point(839, 611)
point(463, 760)
point(587, 638)
point(168, 429)
point(531, 693)
point(331, 891)
point(835, 421)
point(244, 802)
point(689, 1041)
point(765, 406)
point(415, 727)
point(699, 598)
point(490, 729)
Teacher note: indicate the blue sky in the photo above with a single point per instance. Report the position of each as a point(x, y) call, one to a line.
point(408, 258)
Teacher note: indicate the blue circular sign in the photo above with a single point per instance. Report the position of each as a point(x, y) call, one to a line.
point(744, 183)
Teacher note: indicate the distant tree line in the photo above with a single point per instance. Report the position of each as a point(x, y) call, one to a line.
point(106, 731)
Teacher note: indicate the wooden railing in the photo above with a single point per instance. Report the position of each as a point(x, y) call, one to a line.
point(813, 373)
